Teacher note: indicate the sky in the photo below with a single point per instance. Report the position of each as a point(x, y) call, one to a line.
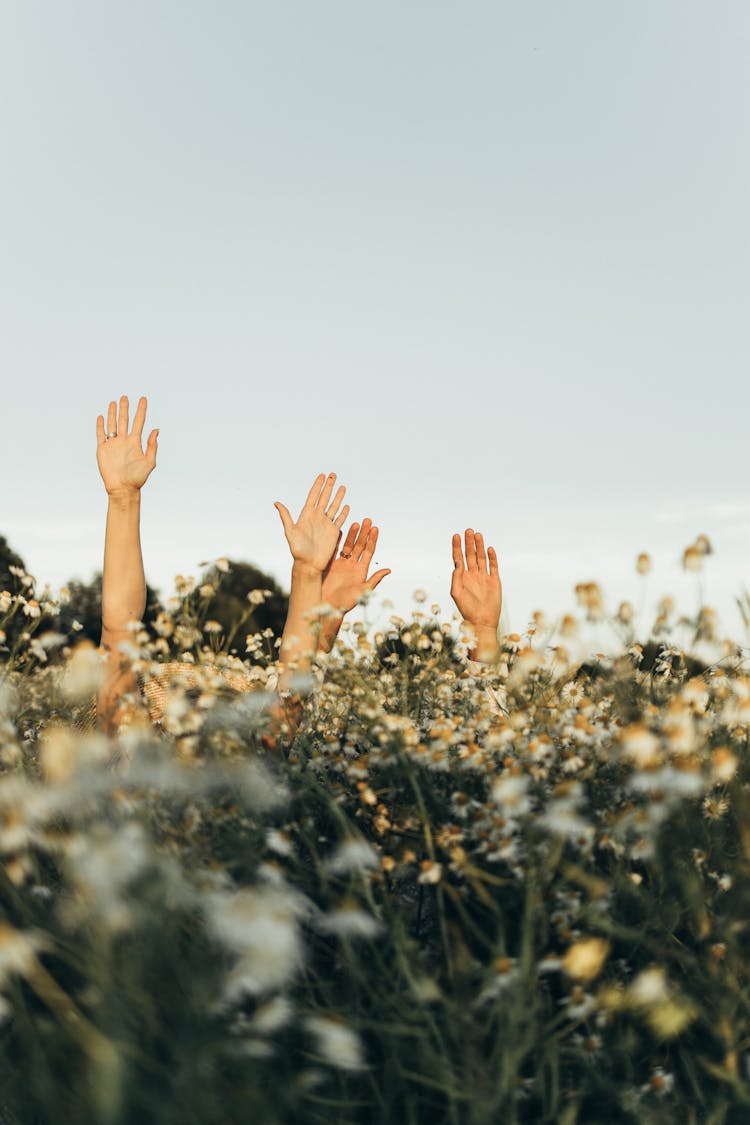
point(488, 261)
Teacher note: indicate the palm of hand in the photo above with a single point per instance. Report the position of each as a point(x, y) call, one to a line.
point(344, 583)
point(475, 586)
point(313, 538)
point(121, 459)
point(122, 463)
point(478, 597)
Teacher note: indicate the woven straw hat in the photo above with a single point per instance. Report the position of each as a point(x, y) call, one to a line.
point(155, 689)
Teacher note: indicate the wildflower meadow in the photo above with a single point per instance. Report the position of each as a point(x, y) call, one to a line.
point(454, 894)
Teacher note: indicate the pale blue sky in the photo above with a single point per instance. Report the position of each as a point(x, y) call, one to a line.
point(488, 261)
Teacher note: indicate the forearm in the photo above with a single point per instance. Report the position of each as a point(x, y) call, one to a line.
point(299, 641)
point(329, 631)
point(123, 601)
point(120, 681)
point(123, 579)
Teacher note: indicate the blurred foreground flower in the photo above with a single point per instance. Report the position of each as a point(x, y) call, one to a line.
point(260, 925)
point(337, 1043)
point(585, 959)
point(84, 672)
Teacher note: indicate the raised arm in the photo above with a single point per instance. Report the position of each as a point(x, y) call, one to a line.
point(477, 591)
point(345, 579)
point(312, 541)
point(125, 468)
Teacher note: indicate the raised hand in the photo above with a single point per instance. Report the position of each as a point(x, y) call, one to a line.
point(314, 536)
point(122, 462)
point(477, 591)
point(345, 579)
point(125, 468)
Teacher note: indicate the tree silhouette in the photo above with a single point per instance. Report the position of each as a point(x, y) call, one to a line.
point(9, 558)
point(81, 615)
point(235, 613)
point(84, 608)
point(16, 624)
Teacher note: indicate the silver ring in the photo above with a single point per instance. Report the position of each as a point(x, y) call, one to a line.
point(108, 436)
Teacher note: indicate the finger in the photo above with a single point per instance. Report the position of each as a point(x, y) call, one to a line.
point(471, 549)
point(139, 421)
point(151, 447)
point(361, 544)
point(122, 417)
point(458, 558)
point(100, 434)
point(351, 538)
point(325, 492)
point(481, 556)
point(112, 418)
point(335, 504)
point(370, 545)
point(376, 579)
point(285, 515)
point(341, 517)
point(314, 493)
point(492, 556)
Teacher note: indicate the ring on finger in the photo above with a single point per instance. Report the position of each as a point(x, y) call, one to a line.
point(108, 436)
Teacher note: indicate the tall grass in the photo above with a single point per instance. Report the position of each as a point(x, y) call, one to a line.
point(460, 895)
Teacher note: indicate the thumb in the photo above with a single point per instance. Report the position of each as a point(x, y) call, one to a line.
point(285, 516)
point(376, 579)
point(151, 447)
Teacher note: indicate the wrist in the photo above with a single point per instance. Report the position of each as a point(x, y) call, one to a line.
point(482, 629)
point(306, 570)
point(127, 497)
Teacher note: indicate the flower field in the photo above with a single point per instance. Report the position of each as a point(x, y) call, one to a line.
point(458, 895)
